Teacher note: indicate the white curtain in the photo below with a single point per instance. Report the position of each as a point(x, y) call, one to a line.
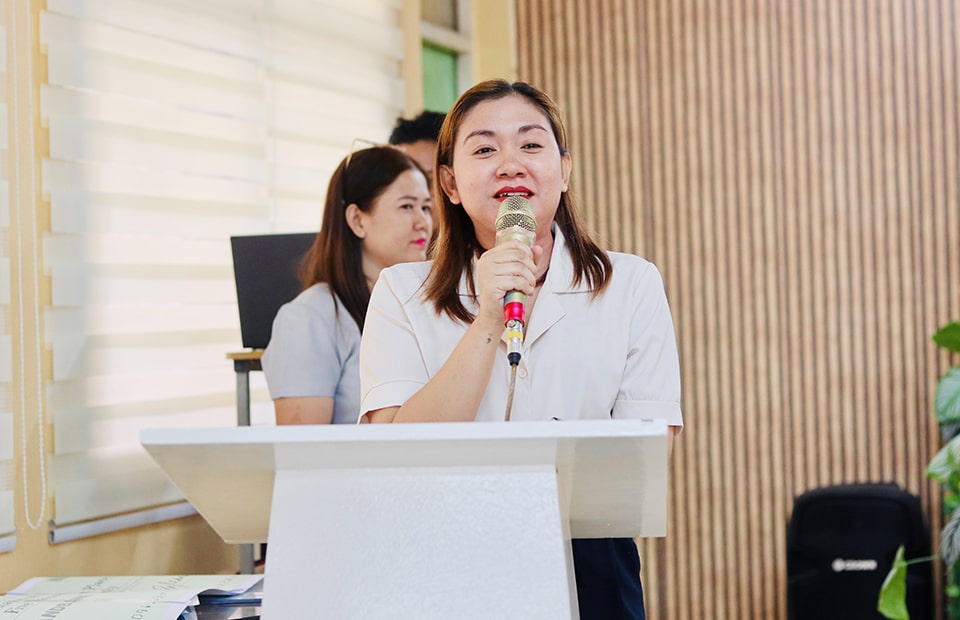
point(7, 529)
point(173, 125)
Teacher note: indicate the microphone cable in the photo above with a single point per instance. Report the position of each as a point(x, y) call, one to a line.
point(513, 384)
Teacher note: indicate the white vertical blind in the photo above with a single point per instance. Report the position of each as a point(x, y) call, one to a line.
point(332, 75)
point(173, 125)
point(7, 527)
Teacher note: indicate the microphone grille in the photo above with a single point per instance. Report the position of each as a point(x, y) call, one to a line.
point(516, 211)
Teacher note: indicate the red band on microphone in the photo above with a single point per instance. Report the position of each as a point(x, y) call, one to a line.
point(513, 311)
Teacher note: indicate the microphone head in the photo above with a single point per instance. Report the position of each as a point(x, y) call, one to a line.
point(516, 211)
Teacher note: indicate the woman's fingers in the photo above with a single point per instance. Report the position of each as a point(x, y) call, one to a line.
point(511, 261)
point(506, 267)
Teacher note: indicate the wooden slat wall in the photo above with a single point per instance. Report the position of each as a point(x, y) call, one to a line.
point(793, 167)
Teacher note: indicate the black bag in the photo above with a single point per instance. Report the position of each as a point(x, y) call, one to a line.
point(841, 542)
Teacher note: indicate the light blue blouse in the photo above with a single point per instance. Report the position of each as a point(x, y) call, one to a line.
point(314, 351)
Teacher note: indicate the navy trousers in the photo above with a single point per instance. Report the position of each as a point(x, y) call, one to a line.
point(608, 579)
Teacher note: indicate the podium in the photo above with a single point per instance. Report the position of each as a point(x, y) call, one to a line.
point(440, 520)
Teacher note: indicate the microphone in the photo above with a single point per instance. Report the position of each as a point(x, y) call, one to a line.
point(515, 220)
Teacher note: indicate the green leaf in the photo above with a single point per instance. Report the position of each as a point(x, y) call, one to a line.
point(893, 593)
point(948, 396)
point(949, 430)
point(950, 540)
point(944, 463)
point(948, 337)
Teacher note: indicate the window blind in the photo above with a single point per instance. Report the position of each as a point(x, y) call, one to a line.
point(174, 125)
point(7, 527)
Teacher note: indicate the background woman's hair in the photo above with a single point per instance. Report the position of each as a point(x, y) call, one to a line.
point(456, 243)
point(335, 257)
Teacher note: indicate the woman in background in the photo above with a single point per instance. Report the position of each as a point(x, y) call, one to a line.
point(376, 214)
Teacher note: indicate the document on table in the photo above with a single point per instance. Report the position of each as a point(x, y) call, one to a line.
point(156, 597)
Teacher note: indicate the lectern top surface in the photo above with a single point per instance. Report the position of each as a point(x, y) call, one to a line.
point(607, 469)
point(405, 432)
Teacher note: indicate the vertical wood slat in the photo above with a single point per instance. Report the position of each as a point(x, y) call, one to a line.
point(793, 168)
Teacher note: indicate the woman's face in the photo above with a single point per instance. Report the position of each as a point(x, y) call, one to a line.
point(398, 226)
point(505, 147)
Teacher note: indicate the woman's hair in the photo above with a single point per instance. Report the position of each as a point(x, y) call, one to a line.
point(456, 244)
point(335, 256)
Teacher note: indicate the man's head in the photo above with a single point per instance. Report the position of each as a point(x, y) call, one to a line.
point(417, 137)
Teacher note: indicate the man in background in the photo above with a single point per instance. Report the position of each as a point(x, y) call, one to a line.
point(417, 137)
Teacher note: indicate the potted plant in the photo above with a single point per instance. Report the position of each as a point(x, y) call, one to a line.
point(944, 468)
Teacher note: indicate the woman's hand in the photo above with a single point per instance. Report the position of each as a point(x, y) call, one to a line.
point(509, 266)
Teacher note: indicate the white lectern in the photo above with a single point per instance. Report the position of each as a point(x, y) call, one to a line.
point(427, 521)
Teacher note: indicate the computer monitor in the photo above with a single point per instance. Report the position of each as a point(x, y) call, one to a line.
point(265, 269)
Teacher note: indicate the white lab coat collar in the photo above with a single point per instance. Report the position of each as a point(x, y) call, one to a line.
point(549, 308)
point(559, 277)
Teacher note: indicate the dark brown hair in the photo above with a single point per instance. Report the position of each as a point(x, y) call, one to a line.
point(424, 126)
point(456, 243)
point(335, 257)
